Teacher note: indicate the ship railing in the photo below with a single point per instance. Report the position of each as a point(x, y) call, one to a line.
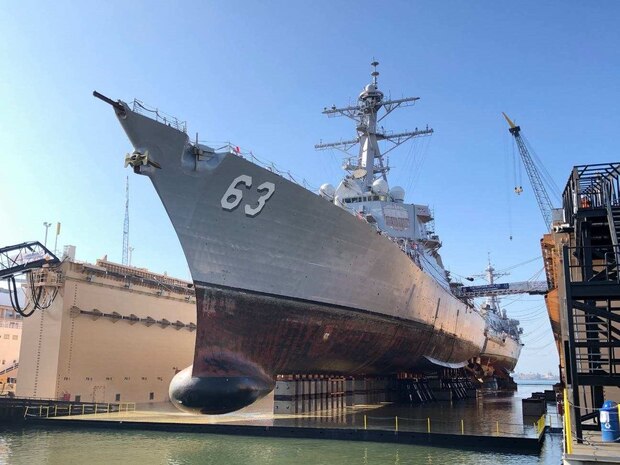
point(159, 116)
point(249, 155)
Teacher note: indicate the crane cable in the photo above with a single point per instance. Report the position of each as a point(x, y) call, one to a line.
point(517, 173)
point(15, 299)
point(36, 295)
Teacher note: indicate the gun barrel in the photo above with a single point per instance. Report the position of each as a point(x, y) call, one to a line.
point(117, 105)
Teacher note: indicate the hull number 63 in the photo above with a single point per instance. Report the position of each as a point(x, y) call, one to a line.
point(233, 195)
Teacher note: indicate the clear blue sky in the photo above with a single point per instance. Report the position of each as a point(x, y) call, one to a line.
point(259, 73)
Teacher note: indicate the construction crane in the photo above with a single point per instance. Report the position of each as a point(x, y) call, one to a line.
point(544, 203)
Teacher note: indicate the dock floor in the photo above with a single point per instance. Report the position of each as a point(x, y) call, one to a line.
point(492, 420)
point(593, 450)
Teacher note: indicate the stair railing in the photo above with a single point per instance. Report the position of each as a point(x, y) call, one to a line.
point(607, 191)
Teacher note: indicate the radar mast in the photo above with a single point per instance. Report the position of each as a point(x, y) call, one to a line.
point(369, 164)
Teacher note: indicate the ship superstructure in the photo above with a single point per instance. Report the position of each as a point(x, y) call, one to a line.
point(502, 347)
point(348, 282)
point(365, 191)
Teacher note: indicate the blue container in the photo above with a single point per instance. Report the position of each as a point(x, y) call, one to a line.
point(610, 427)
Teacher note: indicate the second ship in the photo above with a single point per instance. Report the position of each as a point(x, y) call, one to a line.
point(347, 282)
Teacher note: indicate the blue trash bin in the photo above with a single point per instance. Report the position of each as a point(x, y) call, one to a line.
point(610, 427)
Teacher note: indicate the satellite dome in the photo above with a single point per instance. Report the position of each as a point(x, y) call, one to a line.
point(370, 88)
point(327, 191)
point(380, 186)
point(398, 194)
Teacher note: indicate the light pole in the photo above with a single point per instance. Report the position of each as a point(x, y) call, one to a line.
point(131, 249)
point(56, 240)
point(46, 225)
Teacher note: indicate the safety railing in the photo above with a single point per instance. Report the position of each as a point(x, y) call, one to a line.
point(11, 367)
point(602, 268)
point(570, 435)
point(11, 324)
point(585, 187)
point(461, 426)
point(159, 116)
point(71, 409)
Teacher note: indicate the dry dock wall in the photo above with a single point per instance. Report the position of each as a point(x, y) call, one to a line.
point(113, 334)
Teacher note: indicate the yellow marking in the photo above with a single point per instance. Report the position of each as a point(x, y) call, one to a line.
point(510, 123)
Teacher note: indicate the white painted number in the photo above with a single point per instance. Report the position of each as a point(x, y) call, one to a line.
point(270, 188)
point(233, 195)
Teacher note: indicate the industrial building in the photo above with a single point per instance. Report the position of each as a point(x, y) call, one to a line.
point(113, 333)
point(10, 339)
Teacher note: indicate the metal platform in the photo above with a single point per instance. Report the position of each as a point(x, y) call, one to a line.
point(489, 422)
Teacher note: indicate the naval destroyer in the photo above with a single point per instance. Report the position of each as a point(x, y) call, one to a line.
point(347, 281)
point(502, 347)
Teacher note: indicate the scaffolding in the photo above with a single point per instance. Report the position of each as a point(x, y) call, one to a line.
point(592, 282)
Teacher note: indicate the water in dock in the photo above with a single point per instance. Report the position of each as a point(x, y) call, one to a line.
point(96, 447)
point(43, 444)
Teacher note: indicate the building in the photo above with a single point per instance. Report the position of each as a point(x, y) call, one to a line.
point(113, 333)
point(10, 339)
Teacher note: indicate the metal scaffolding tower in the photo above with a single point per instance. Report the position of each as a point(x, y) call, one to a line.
point(592, 281)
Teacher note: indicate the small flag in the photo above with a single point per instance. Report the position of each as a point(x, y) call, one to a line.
point(57, 229)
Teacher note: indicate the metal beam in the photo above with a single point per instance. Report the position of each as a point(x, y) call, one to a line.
point(593, 310)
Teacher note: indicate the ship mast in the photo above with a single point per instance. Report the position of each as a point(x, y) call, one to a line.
point(369, 164)
point(493, 300)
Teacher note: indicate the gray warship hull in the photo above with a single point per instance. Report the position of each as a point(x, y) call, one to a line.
point(499, 357)
point(286, 282)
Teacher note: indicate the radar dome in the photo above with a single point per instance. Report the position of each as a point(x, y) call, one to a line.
point(380, 186)
point(398, 194)
point(327, 191)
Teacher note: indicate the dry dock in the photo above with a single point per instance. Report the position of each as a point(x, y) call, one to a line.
point(490, 422)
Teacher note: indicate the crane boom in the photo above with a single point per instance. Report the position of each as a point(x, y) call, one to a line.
point(544, 203)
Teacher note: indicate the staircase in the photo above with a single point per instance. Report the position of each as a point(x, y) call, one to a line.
point(592, 285)
point(9, 368)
